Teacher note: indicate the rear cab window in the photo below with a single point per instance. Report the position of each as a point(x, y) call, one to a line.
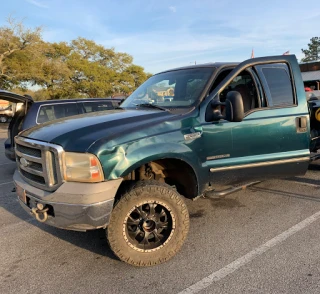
point(55, 111)
point(279, 86)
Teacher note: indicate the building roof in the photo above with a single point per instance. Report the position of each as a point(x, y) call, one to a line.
point(310, 66)
point(311, 75)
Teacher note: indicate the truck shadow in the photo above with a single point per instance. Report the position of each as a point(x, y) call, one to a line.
point(314, 166)
point(94, 241)
point(285, 193)
point(304, 180)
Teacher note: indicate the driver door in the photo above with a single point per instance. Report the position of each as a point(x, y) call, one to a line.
point(268, 143)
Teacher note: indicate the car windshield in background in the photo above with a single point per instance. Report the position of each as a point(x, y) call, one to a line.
point(175, 89)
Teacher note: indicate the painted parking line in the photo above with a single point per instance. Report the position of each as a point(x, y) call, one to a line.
point(7, 163)
point(7, 183)
point(245, 259)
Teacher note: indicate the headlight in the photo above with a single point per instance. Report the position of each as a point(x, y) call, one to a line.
point(82, 167)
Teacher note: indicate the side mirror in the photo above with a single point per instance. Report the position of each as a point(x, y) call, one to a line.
point(234, 107)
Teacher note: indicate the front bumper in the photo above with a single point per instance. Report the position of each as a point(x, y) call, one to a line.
point(73, 206)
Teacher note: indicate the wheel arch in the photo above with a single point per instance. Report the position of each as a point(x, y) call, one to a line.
point(174, 170)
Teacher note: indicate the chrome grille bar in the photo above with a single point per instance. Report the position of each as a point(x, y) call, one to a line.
point(39, 163)
point(32, 171)
point(29, 157)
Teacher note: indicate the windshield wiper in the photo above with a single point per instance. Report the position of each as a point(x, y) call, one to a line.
point(152, 106)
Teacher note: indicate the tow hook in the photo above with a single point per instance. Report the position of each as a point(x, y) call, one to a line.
point(40, 212)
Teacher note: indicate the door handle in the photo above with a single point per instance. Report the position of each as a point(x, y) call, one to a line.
point(301, 124)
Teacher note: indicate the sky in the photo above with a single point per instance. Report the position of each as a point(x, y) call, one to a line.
point(165, 34)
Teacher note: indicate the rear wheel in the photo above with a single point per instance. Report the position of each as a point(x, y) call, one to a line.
point(3, 119)
point(148, 225)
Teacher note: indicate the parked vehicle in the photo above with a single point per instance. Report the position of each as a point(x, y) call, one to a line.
point(33, 113)
point(129, 170)
point(6, 114)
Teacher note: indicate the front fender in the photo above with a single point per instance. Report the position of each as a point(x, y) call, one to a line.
point(127, 158)
point(151, 153)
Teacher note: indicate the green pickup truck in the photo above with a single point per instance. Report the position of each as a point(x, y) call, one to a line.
point(182, 134)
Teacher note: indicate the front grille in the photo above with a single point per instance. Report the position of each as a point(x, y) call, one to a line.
point(33, 177)
point(29, 151)
point(36, 166)
point(39, 163)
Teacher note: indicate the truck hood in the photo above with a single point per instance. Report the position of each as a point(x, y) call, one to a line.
point(78, 133)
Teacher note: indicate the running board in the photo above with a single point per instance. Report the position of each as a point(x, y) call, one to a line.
point(213, 194)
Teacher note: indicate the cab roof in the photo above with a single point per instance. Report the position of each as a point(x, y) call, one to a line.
point(204, 65)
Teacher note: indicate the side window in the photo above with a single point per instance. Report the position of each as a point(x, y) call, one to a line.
point(55, 111)
point(244, 84)
point(97, 106)
point(45, 114)
point(279, 85)
point(116, 103)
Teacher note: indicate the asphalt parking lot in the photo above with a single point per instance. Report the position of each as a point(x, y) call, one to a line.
point(262, 240)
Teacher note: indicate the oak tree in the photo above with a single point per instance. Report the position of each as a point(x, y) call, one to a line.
point(18, 46)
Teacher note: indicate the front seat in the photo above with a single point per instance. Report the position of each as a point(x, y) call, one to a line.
point(246, 97)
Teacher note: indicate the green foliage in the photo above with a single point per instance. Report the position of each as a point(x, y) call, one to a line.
point(18, 45)
point(53, 72)
point(313, 53)
point(131, 78)
point(80, 68)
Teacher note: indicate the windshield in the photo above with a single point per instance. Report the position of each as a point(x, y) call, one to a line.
point(175, 89)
